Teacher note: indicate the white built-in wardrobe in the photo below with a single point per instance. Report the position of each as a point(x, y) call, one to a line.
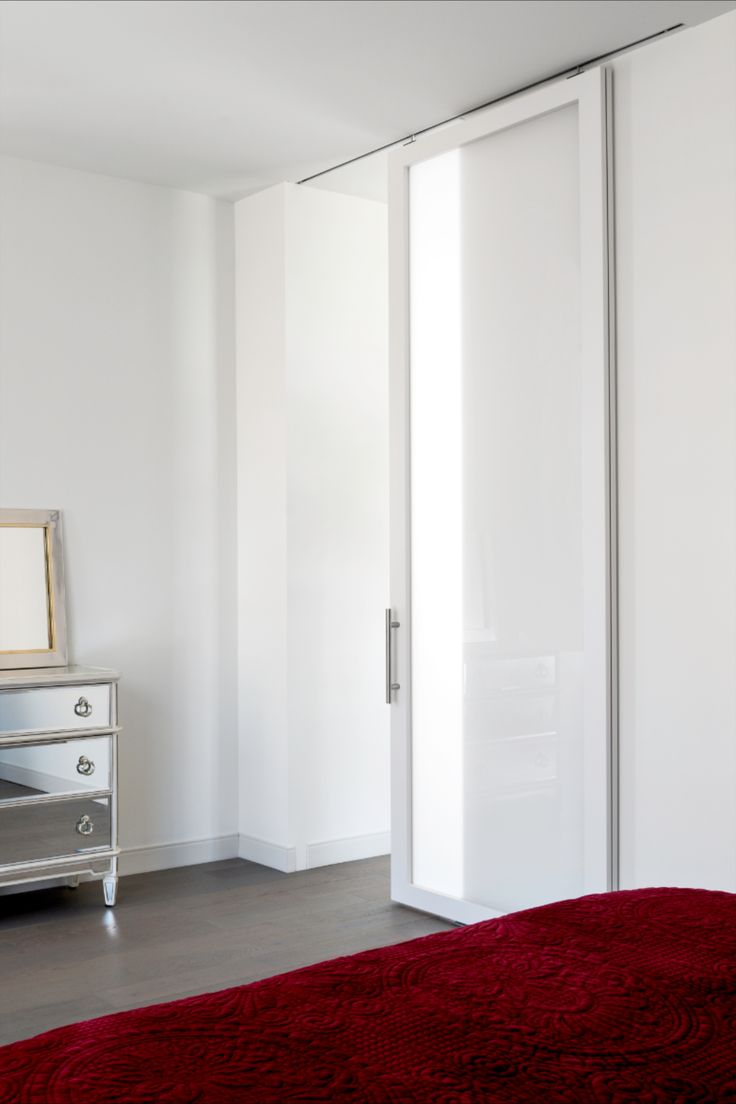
point(529, 699)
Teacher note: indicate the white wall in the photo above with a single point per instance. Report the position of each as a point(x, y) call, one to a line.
point(675, 139)
point(262, 530)
point(117, 406)
point(313, 525)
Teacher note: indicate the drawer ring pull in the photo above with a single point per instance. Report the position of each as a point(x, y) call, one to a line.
point(83, 708)
point(85, 827)
point(85, 766)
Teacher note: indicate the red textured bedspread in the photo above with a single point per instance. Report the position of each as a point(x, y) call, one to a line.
point(618, 997)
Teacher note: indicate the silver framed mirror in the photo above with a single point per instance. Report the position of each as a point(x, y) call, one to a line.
point(32, 591)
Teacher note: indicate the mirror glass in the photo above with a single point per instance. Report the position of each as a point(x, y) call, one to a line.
point(25, 613)
point(61, 767)
point(32, 592)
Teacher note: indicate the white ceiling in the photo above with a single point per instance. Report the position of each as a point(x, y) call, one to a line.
point(229, 96)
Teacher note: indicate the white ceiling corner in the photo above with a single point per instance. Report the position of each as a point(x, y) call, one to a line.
point(228, 96)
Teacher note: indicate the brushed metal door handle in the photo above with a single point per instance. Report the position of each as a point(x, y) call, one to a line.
point(390, 626)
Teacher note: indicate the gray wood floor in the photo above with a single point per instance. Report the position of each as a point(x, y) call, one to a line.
point(65, 957)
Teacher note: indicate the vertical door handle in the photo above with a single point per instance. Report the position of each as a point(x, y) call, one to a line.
point(390, 626)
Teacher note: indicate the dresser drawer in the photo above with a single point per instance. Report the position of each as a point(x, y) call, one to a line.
point(55, 708)
point(56, 767)
point(54, 829)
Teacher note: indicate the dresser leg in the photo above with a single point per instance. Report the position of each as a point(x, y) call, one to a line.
point(110, 889)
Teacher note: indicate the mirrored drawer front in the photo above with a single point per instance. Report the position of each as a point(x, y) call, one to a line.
point(58, 767)
point(52, 708)
point(49, 831)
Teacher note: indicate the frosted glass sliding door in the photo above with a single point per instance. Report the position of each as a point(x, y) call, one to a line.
point(501, 526)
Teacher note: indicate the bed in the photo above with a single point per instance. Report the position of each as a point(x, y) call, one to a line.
point(611, 998)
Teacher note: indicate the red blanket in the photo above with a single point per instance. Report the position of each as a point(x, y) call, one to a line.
point(618, 997)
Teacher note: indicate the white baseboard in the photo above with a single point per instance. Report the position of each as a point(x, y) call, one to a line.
point(268, 854)
point(164, 856)
point(348, 850)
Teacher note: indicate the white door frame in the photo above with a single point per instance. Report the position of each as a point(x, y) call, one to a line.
point(591, 92)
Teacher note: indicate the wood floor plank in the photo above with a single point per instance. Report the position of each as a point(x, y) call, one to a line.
point(176, 933)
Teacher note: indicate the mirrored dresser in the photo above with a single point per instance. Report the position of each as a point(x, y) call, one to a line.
point(58, 777)
point(58, 724)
